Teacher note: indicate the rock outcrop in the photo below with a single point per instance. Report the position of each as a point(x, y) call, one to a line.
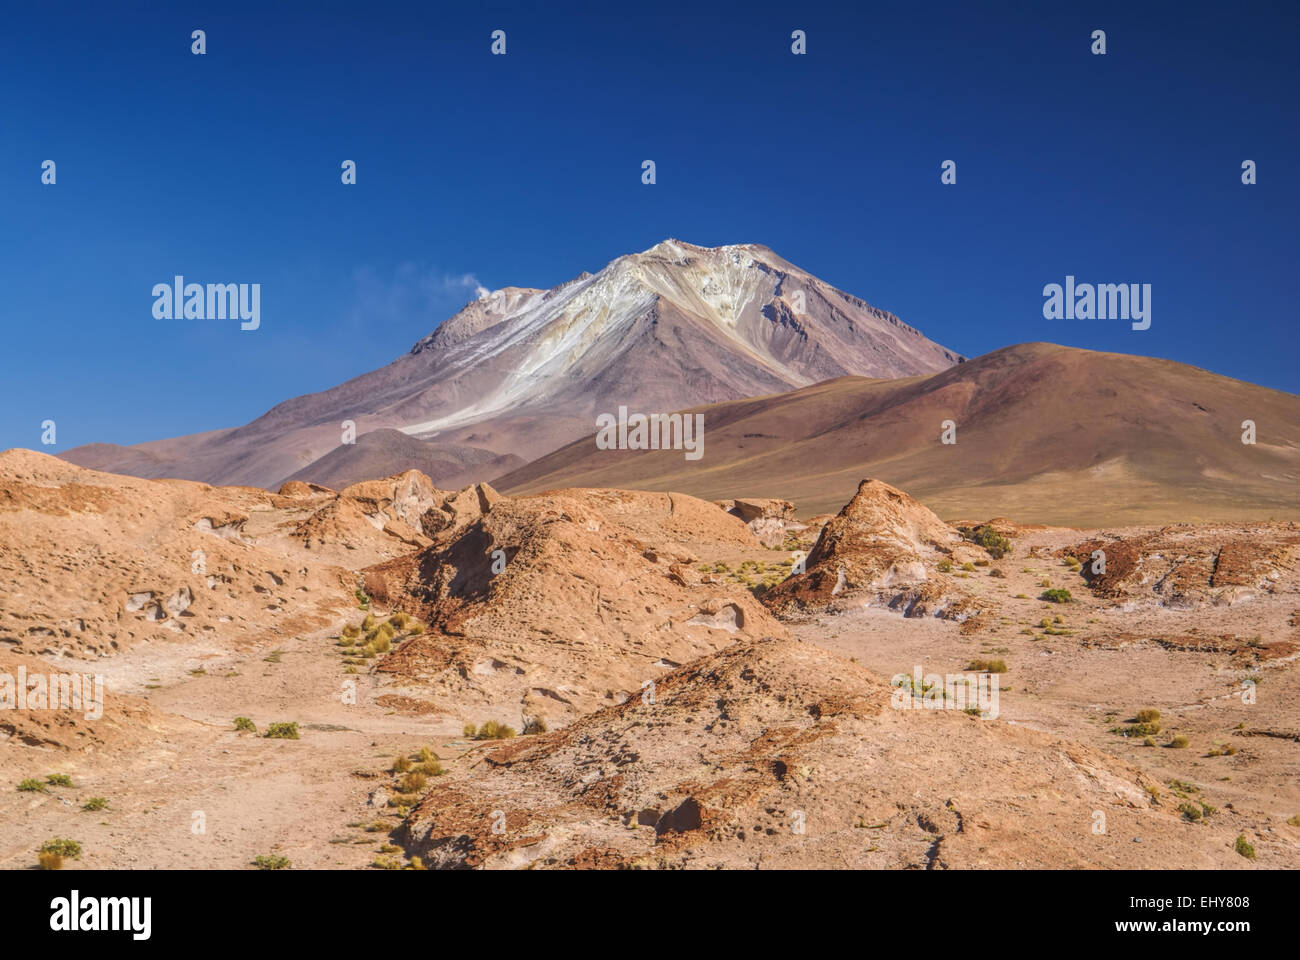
point(882, 540)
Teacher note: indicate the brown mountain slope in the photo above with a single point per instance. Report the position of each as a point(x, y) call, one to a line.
point(1044, 433)
point(383, 453)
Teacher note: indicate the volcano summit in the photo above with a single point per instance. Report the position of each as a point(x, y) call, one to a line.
point(522, 371)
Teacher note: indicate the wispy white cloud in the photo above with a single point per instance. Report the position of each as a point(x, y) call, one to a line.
point(410, 295)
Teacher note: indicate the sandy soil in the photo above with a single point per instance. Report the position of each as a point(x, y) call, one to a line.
point(751, 727)
point(256, 796)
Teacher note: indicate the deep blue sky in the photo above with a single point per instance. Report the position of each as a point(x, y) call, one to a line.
point(525, 170)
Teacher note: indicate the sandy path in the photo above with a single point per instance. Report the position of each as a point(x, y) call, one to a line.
point(251, 795)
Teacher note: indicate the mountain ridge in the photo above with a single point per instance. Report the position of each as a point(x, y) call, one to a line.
point(522, 371)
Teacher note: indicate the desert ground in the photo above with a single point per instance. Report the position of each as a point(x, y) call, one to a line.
point(689, 684)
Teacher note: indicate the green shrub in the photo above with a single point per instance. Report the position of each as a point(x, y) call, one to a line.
point(1244, 847)
point(31, 785)
point(282, 731)
point(69, 849)
point(413, 782)
point(1190, 811)
point(404, 623)
point(243, 724)
point(945, 566)
point(1149, 729)
point(987, 666)
point(996, 545)
point(491, 730)
point(95, 803)
point(1055, 596)
point(272, 862)
point(1145, 723)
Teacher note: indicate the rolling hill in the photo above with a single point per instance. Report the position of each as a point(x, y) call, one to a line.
point(1045, 433)
point(385, 452)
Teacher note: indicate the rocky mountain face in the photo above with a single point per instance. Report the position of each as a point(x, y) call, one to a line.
point(522, 371)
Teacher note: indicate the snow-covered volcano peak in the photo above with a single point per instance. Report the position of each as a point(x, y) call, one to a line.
point(681, 253)
point(679, 309)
